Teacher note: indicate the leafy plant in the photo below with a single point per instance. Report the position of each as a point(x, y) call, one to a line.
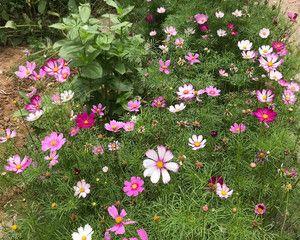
point(106, 53)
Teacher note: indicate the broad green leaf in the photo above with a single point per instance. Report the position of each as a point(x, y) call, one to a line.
point(120, 68)
point(121, 86)
point(68, 51)
point(60, 26)
point(60, 43)
point(42, 6)
point(85, 12)
point(10, 24)
point(112, 3)
point(72, 6)
point(121, 25)
point(92, 70)
point(126, 11)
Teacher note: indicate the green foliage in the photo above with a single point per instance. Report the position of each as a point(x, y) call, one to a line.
point(107, 55)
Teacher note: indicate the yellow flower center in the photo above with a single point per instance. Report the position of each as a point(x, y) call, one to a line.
point(224, 193)
point(55, 69)
point(83, 237)
point(260, 210)
point(134, 186)
point(270, 64)
point(86, 121)
point(18, 166)
point(197, 144)
point(264, 97)
point(119, 219)
point(81, 189)
point(160, 164)
point(53, 143)
point(265, 116)
point(164, 67)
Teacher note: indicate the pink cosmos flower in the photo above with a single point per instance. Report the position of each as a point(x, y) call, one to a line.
point(85, 120)
point(223, 73)
point(53, 142)
point(120, 223)
point(63, 74)
point(56, 99)
point(52, 158)
point(98, 109)
point(260, 209)
point(292, 16)
point(265, 96)
point(192, 58)
point(278, 46)
point(237, 128)
point(201, 18)
point(16, 165)
point(35, 104)
point(230, 26)
point(164, 66)
point(129, 126)
point(142, 234)
point(158, 163)
point(212, 91)
point(288, 97)
point(283, 83)
point(38, 76)
point(159, 102)
point(186, 92)
point(26, 71)
point(179, 42)
point(9, 134)
point(223, 191)
point(74, 131)
point(114, 126)
point(170, 31)
point(271, 62)
point(98, 150)
point(54, 66)
point(33, 91)
point(133, 187)
point(134, 105)
point(265, 115)
point(293, 86)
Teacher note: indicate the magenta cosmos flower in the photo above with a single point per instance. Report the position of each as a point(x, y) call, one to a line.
point(53, 142)
point(201, 18)
point(37, 76)
point(54, 66)
point(63, 74)
point(237, 128)
point(164, 66)
point(266, 115)
point(260, 209)
point(35, 104)
point(212, 182)
point(26, 71)
point(98, 109)
point(192, 58)
point(159, 102)
point(134, 105)
point(133, 187)
point(292, 16)
point(114, 126)
point(16, 165)
point(120, 223)
point(85, 120)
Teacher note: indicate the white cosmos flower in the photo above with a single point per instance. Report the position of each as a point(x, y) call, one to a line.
point(219, 14)
point(221, 33)
point(197, 142)
point(152, 33)
point(67, 96)
point(34, 116)
point(275, 75)
point(158, 164)
point(265, 50)
point(248, 54)
point(176, 108)
point(164, 48)
point(186, 92)
point(83, 233)
point(245, 45)
point(82, 189)
point(223, 191)
point(264, 33)
point(237, 13)
point(161, 10)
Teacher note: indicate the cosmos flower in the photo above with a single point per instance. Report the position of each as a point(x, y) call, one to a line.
point(289, 97)
point(26, 71)
point(212, 91)
point(264, 33)
point(34, 116)
point(16, 165)
point(133, 187)
point(265, 50)
point(265, 96)
point(164, 66)
point(52, 159)
point(197, 142)
point(201, 18)
point(74, 131)
point(278, 46)
point(53, 142)
point(177, 108)
point(85, 120)
point(159, 102)
point(223, 191)
point(82, 189)
point(179, 42)
point(114, 146)
point(63, 74)
point(223, 73)
point(219, 14)
point(98, 109)
point(37, 76)
point(204, 28)
point(192, 58)
point(158, 163)
point(275, 75)
point(152, 33)
point(245, 45)
point(221, 33)
point(237, 128)
point(292, 16)
point(237, 13)
point(186, 92)
point(83, 233)
point(161, 10)
point(34, 105)
point(293, 86)
point(114, 126)
point(265, 115)
point(260, 209)
point(129, 126)
point(248, 54)
point(170, 31)
point(53, 66)
point(134, 105)
point(270, 62)
point(98, 150)
point(9, 134)
point(120, 222)
point(212, 182)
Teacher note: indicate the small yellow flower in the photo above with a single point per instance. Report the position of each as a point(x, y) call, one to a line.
point(156, 218)
point(288, 187)
point(53, 205)
point(14, 227)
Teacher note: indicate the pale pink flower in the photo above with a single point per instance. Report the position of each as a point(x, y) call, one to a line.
point(53, 142)
point(134, 105)
point(129, 126)
point(152, 33)
point(120, 222)
point(260, 209)
point(212, 91)
point(223, 191)
point(98, 150)
point(192, 58)
point(237, 128)
point(114, 126)
point(275, 75)
point(52, 158)
point(179, 42)
point(293, 86)
point(26, 71)
point(186, 92)
point(74, 131)
point(197, 142)
point(161, 10)
point(82, 189)
point(248, 54)
point(16, 165)
point(9, 134)
point(265, 96)
point(164, 66)
point(201, 18)
point(55, 98)
point(283, 83)
point(170, 31)
point(271, 62)
point(223, 73)
point(289, 97)
point(98, 109)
